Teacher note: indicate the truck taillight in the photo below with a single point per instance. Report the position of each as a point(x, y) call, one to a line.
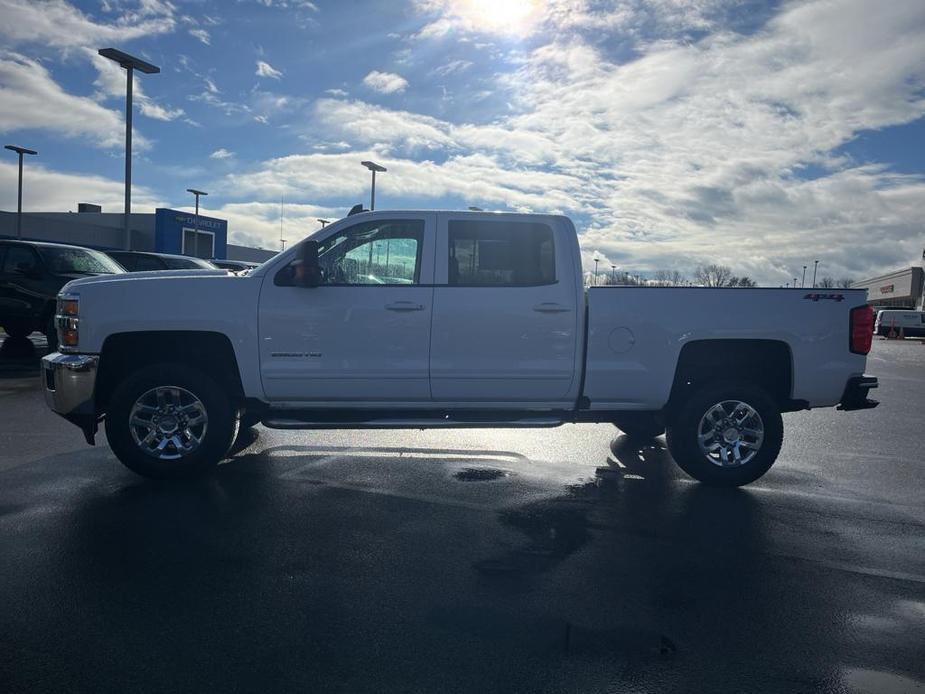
point(861, 327)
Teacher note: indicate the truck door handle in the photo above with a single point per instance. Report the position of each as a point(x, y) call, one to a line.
point(404, 306)
point(550, 307)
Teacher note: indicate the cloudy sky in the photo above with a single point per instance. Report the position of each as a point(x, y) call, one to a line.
point(758, 134)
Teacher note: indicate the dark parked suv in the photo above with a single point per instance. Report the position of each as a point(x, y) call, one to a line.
point(32, 274)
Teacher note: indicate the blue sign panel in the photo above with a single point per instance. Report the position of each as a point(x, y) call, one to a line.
point(174, 232)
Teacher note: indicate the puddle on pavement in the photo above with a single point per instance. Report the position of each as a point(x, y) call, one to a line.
point(880, 682)
point(480, 474)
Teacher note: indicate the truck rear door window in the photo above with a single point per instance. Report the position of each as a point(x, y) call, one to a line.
point(500, 254)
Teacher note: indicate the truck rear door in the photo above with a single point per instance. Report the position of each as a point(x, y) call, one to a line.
point(506, 315)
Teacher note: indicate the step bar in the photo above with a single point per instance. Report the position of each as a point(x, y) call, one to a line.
point(354, 419)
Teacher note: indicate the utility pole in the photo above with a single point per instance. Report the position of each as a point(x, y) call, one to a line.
point(130, 63)
point(20, 151)
point(374, 167)
point(282, 241)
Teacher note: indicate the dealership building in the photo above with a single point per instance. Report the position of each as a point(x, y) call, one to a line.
point(900, 289)
point(164, 231)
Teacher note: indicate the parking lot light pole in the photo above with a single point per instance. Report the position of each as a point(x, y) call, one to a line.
point(197, 193)
point(324, 222)
point(20, 151)
point(130, 63)
point(815, 267)
point(374, 167)
point(803, 282)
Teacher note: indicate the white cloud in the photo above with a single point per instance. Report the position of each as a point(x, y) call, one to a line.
point(60, 25)
point(30, 98)
point(452, 68)
point(221, 153)
point(290, 4)
point(385, 82)
point(264, 69)
point(257, 224)
point(335, 92)
point(688, 153)
point(110, 82)
point(55, 191)
point(202, 35)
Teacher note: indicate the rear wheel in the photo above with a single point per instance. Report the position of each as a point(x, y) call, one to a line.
point(170, 420)
point(726, 434)
point(17, 327)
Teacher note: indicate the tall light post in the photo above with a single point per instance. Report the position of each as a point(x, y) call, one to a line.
point(197, 193)
point(323, 222)
point(815, 267)
point(794, 282)
point(130, 63)
point(613, 274)
point(374, 167)
point(20, 151)
point(803, 281)
point(596, 261)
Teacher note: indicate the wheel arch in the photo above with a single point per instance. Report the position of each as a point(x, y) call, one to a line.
point(124, 353)
point(766, 363)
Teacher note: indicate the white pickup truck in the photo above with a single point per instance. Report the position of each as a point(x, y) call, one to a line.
point(422, 319)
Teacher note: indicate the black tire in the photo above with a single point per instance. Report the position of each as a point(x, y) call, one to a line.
point(684, 428)
point(51, 334)
point(217, 438)
point(640, 425)
point(17, 327)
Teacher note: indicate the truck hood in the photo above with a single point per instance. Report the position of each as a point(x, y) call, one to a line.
point(83, 281)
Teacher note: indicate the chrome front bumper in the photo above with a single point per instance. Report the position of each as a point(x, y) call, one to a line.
point(69, 381)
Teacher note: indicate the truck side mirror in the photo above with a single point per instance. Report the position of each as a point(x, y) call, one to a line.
point(308, 273)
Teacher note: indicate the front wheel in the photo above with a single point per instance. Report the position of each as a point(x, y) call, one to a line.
point(726, 435)
point(170, 420)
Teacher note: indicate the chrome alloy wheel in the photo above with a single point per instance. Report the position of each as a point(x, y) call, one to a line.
point(730, 433)
point(168, 422)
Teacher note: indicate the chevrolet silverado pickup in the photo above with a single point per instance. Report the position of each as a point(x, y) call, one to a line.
point(395, 319)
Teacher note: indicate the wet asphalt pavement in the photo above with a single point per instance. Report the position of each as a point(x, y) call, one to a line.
point(562, 560)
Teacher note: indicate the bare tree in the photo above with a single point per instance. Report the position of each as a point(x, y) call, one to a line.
point(670, 278)
point(713, 275)
point(845, 283)
point(826, 283)
point(742, 281)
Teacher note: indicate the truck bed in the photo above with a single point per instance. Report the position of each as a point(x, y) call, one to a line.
point(636, 335)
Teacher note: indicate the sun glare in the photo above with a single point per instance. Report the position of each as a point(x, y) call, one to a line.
point(500, 16)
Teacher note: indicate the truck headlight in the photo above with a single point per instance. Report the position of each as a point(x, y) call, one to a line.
point(67, 320)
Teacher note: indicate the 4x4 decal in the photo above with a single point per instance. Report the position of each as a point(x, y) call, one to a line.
point(813, 296)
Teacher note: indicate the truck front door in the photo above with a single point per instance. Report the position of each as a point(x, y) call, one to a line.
point(363, 336)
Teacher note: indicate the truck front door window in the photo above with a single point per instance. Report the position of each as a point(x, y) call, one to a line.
point(374, 253)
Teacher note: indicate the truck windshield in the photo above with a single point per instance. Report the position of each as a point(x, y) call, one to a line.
point(78, 261)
